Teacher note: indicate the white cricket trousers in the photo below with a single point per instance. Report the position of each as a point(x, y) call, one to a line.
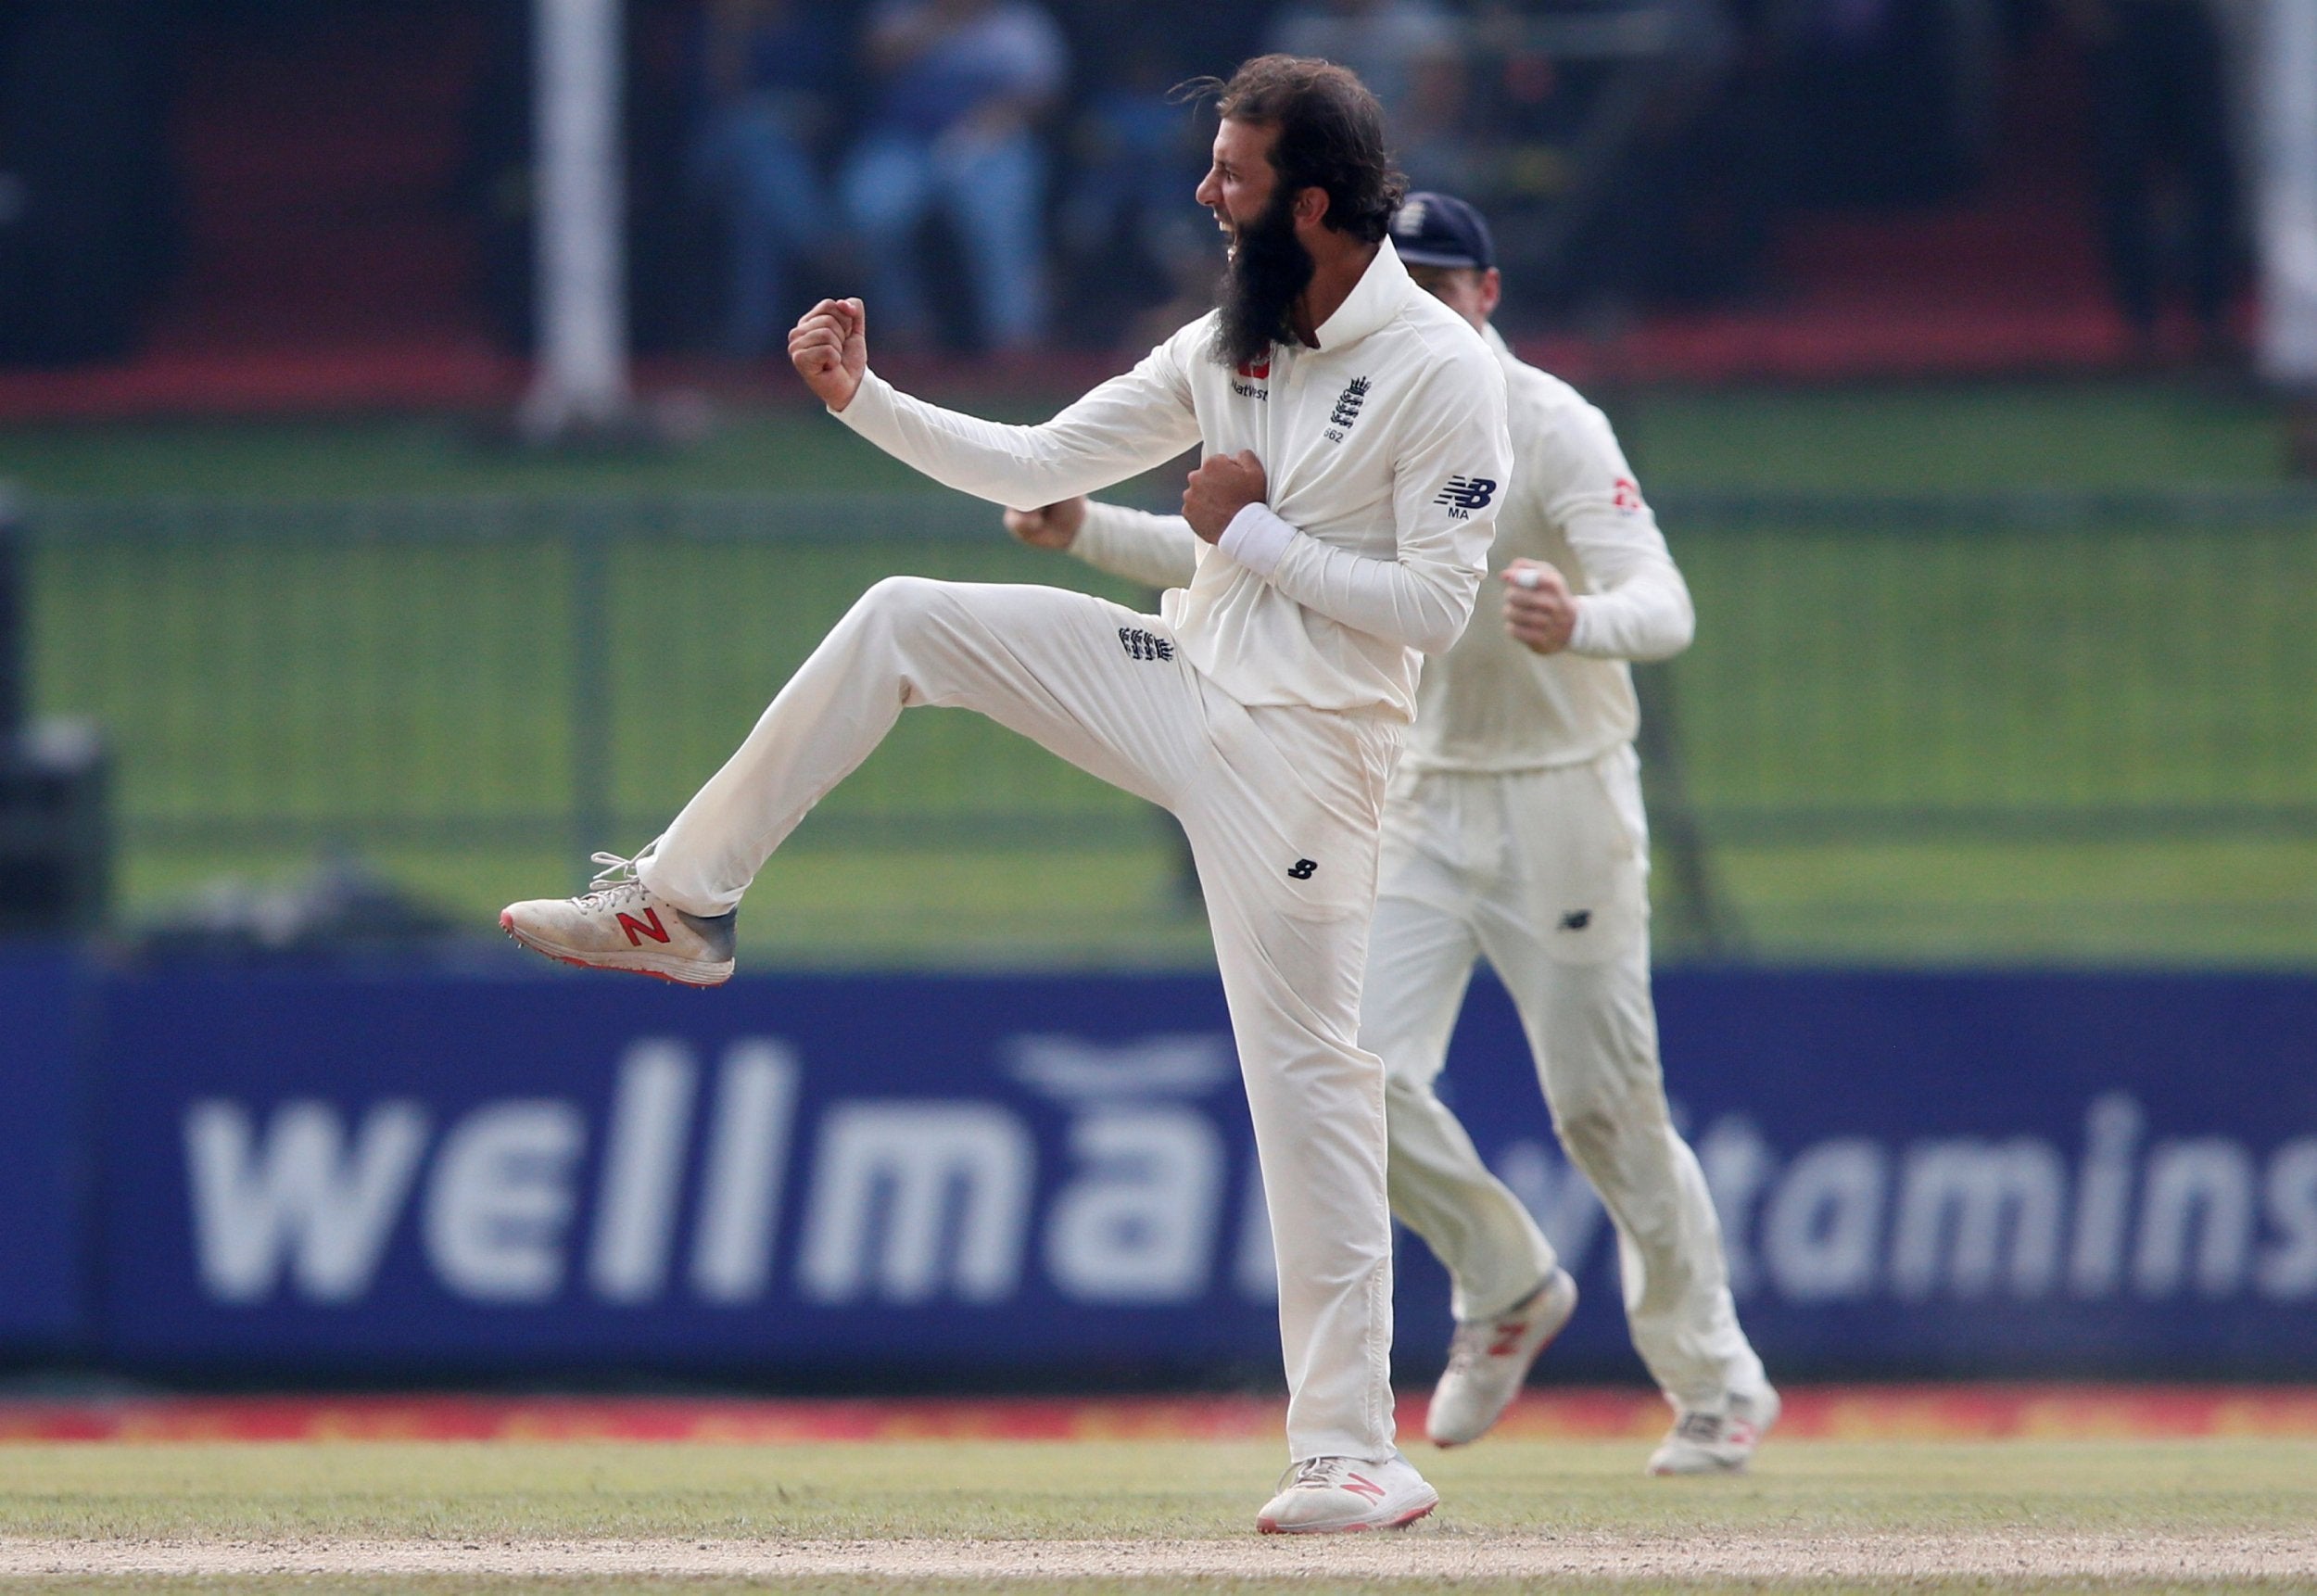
point(1281, 807)
point(1545, 874)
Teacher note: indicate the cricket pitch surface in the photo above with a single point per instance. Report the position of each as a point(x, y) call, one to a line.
point(1441, 1556)
point(1945, 1489)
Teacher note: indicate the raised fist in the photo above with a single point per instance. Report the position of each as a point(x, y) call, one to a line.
point(1221, 487)
point(1056, 527)
point(829, 349)
point(1539, 610)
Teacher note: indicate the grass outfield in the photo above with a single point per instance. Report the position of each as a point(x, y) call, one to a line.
point(1906, 745)
point(1815, 1515)
point(382, 683)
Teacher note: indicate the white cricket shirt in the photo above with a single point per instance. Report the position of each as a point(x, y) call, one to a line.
point(1386, 456)
point(1490, 703)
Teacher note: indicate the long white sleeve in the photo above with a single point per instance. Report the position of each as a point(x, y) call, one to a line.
point(1127, 425)
point(1639, 608)
point(1158, 550)
point(1449, 479)
point(1386, 458)
point(1491, 704)
point(1635, 606)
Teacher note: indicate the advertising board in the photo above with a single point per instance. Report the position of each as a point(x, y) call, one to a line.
point(1053, 1178)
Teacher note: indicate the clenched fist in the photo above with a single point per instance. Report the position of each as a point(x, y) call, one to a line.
point(1056, 527)
point(1221, 487)
point(1539, 610)
point(829, 349)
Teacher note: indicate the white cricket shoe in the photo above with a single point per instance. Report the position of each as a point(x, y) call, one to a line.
point(1327, 1496)
point(1489, 1361)
point(1703, 1442)
point(618, 925)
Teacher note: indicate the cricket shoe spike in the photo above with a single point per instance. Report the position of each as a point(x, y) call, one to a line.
point(1703, 1442)
point(617, 924)
point(1489, 1359)
point(1328, 1496)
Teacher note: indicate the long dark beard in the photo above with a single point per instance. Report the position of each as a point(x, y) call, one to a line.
point(1269, 270)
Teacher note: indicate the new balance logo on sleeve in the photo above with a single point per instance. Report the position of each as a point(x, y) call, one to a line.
point(1142, 645)
point(1466, 494)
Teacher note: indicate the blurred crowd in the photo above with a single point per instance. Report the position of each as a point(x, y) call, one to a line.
point(1036, 155)
point(1038, 152)
point(1001, 174)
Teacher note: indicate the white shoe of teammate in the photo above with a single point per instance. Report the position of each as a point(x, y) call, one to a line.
point(1324, 1496)
point(1489, 1359)
point(1703, 1442)
point(618, 925)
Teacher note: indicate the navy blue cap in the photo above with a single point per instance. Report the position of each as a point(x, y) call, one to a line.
point(1441, 230)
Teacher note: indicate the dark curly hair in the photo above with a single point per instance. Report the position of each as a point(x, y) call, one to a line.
point(1331, 135)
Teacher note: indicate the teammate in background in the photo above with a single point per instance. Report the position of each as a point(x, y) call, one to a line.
point(1514, 830)
point(1354, 440)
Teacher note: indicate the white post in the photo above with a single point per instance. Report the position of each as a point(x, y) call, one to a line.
point(2286, 205)
point(579, 220)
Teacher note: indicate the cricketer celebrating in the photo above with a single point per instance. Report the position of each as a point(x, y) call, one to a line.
point(1355, 453)
point(1514, 829)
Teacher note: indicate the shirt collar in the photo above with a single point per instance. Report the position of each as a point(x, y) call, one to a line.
point(1383, 288)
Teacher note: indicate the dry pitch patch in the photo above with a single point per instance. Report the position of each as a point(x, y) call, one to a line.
point(1091, 1516)
point(1438, 1556)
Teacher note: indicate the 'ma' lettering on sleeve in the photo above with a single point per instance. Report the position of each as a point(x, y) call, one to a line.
point(1466, 494)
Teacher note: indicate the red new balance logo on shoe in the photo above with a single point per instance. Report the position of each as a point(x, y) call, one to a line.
point(1361, 1485)
point(1508, 1339)
point(637, 929)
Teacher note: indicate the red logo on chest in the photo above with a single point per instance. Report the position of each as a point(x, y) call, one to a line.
point(1256, 370)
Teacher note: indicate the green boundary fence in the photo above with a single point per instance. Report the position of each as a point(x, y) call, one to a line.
point(543, 676)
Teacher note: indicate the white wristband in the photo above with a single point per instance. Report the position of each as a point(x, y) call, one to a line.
point(1257, 538)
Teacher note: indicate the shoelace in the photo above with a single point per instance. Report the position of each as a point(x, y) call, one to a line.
point(615, 878)
point(1699, 1427)
point(1314, 1473)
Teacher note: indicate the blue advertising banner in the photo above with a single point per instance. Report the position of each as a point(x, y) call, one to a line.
point(43, 1245)
point(864, 1173)
point(1999, 1174)
point(1055, 1177)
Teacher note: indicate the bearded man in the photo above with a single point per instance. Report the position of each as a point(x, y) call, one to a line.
point(1354, 453)
point(1515, 831)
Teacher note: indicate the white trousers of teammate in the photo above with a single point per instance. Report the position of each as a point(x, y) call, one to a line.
point(1545, 874)
point(1282, 806)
